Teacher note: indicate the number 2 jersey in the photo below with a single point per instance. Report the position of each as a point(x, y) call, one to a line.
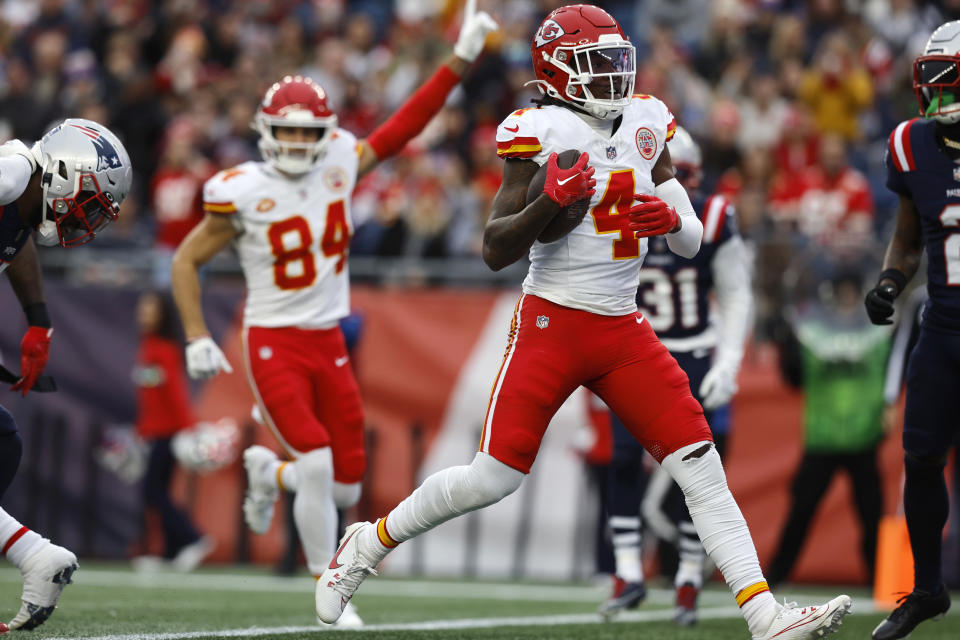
point(294, 236)
point(919, 170)
point(596, 267)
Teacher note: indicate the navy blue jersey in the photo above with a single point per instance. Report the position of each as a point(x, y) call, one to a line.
point(13, 235)
point(674, 292)
point(919, 170)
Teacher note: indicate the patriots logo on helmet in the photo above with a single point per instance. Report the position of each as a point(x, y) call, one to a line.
point(549, 31)
point(107, 156)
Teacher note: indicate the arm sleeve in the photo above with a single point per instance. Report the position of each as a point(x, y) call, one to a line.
point(685, 242)
point(731, 278)
point(15, 172)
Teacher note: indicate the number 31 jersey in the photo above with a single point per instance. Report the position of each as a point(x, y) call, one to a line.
point(294, 235)
point(596, 266)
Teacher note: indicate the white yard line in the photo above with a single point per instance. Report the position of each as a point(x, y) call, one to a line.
point(432, 625)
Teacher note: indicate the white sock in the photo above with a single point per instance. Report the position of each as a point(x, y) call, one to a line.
point(626, 538)
point(442, 496)
point(313, 508)
point(692, 555)
point(16, 541)
point(287, 475)
point(722, 529)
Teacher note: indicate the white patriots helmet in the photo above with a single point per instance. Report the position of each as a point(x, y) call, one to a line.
point(687, 158)
point(936, 75)
point(85, 175)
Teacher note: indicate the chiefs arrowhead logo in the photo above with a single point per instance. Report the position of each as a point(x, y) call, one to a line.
point(549, 31)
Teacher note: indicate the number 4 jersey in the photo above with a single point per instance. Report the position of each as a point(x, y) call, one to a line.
point(919, 170)
point(596, 266)
point(294, 235)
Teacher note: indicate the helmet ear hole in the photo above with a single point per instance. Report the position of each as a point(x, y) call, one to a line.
point(62, 170)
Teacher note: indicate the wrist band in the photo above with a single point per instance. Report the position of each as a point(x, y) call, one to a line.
point(899, 279)
point(37, 315)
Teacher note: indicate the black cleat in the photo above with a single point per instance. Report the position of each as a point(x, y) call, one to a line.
point(914, 608)
point(626, 595)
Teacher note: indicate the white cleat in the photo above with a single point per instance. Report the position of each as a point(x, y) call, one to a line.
point(349, 619)
point(342, 577)
point(794, 623)
point(192, 556)
point(45, 574)
point(262, 489)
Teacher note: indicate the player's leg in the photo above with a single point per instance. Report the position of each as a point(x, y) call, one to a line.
point(279, 364)
point(809, 484)
point(46, 567)
point(651, 395)
point(537, 375)
point(340, 409)
point(929, 427)
point(625, 483)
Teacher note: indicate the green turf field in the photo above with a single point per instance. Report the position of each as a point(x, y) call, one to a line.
point(110, 601)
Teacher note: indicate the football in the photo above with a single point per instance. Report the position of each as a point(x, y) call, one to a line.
point(567, 218)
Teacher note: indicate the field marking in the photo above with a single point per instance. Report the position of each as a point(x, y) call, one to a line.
point(709, 613)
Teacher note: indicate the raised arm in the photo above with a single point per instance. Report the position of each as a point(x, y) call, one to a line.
point(899, 264)
point(414, 114)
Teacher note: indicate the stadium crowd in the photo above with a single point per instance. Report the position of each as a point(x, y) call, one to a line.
point(792, 102)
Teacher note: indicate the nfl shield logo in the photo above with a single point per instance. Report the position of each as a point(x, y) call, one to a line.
point(542, 322)
point(956, 174)
point(612, 153)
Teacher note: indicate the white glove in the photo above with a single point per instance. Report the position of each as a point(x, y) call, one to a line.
point(473, 32)
point(17, 147)
point(205, 359)
point(718, 386)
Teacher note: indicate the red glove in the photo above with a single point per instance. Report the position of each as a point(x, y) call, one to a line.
point(34, 352)
point(653, 217)
point(566, 186)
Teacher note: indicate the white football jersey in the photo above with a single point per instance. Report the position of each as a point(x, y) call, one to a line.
point(596, 266)
point(294, 236)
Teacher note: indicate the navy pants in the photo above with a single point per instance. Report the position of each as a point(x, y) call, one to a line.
point(11, 448)
point(930, 427)
point(178, 531)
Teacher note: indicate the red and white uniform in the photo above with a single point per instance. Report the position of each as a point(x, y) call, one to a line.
point(597, 266)
point(294, 235)
point(576, 323)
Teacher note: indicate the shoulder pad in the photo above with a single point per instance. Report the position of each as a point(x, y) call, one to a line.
point(517, 136)
point(900, 146)
point(716, 210)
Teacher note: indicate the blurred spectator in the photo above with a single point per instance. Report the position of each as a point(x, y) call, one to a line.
point(837, 89)
point(829, 349)
point(829, 203)
point(163, 410)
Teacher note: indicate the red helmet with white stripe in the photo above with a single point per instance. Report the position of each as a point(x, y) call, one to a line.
point(294, 102)
point(581, 56)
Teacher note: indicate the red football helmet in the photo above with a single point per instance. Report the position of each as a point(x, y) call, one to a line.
point(294, 102)
point(581, 56)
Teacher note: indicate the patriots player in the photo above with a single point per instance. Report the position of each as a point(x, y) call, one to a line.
point(923, 169)
point(576, 322)
point(289, 217)
point(67, 187)
point(674, 296)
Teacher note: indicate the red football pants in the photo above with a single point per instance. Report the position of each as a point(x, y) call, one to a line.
point(304, 385)
point(552, 350)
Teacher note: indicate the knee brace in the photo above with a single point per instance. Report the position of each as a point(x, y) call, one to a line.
point(346, 495)
point(487, 480)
